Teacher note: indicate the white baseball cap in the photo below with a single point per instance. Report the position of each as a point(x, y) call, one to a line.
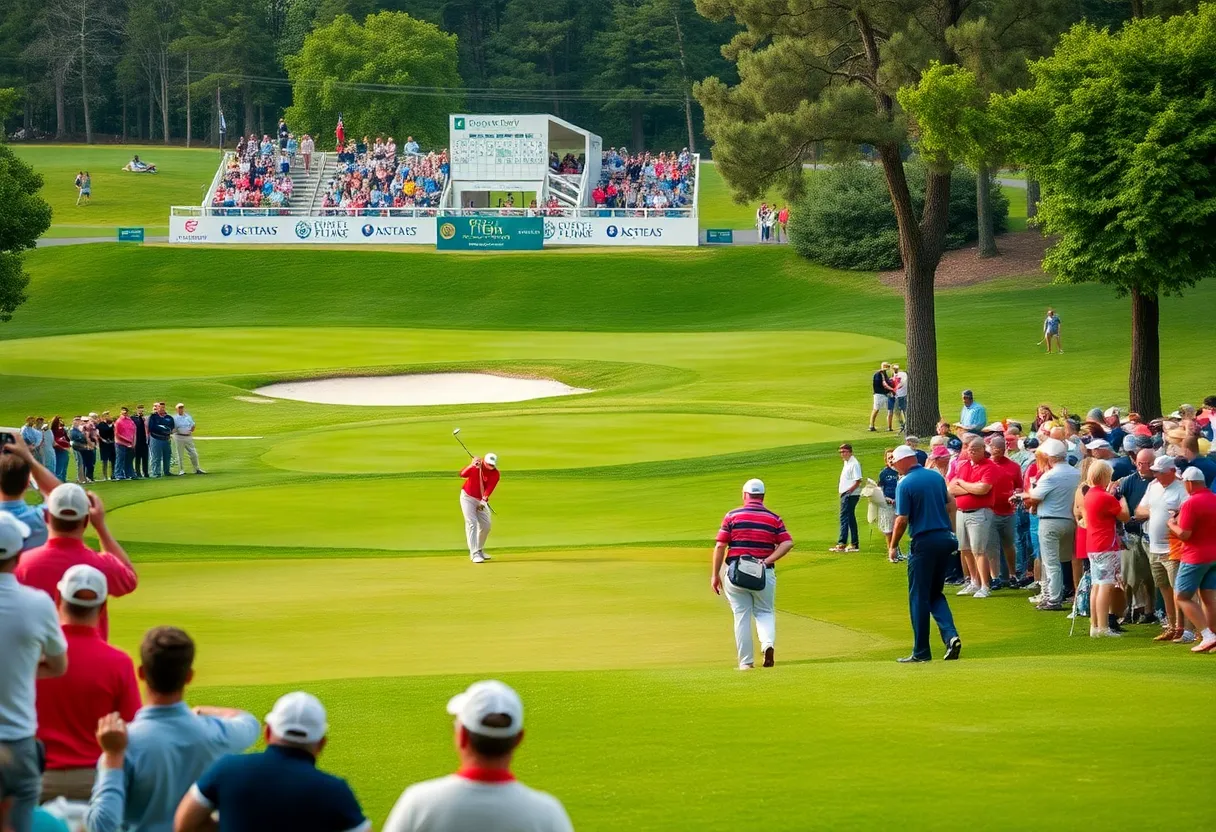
point(298, 717)
point(903, 452)
point(995, 427)
point(1163, 463)
point(1054, 449)
point(492, 460)
point(83, 577)
point(753, 486)
point(1097, 445)
point(1192, 474)
point(12, 535)
point(1111, 411)
point(179, 404)
point(484, 699)
point(68, 502)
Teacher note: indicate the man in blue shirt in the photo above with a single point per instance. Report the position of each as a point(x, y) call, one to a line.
point(17, 466)
point(974, 416)
point(925, 509)
point(146, 767)
point(160, 431)
point(281, 788)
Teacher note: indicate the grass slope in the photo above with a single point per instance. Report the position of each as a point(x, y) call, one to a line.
point(323, 552)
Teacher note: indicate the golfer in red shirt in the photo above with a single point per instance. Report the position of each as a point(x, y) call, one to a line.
point(480, 479)
point(71, 510)
point(100, 680)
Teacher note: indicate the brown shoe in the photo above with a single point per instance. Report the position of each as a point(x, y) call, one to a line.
point(1168, 635)
point(768, 657)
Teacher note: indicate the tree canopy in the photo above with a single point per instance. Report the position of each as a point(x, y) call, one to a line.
point(1121, 131)
point(24, 219)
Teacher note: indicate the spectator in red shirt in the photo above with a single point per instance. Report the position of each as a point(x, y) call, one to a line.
point(1004, 522)
point(972, 488)
point(1195, 526)
point(100, 680)
point(480, 479)
point(71, 509)
point(1102, 511)
point(124, 446)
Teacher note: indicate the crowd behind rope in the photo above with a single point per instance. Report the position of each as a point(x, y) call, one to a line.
point(258, 174)
point(83, 748)
point(1108, 515)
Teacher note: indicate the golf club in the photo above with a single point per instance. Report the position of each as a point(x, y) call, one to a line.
point(456, 436)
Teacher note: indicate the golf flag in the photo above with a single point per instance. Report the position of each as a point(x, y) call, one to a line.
point(223, 125)
point(340, 132)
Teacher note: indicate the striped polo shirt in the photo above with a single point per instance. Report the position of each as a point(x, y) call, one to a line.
point(752, 531)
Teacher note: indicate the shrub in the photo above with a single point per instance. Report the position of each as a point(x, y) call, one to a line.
point(845, 219)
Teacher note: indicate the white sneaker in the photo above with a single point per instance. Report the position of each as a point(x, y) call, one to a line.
point(1035, 599)
point(747, 667)
point(968, 589)
point(1107, 633)
point(479, 558)
point(982, 592)
point(1094, 632)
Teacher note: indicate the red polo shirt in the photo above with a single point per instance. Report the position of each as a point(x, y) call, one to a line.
point(43, 567)
point(1008, 478)
point(752, 531)
point(99, 681)
point(969, 471)
point(474, 484)
point(1198, 514)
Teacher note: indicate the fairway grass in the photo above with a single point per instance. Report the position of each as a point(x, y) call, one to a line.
point(325, 552)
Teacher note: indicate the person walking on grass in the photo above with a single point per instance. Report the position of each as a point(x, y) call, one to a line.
point(849, 488)
point(483, 794)
point(86, 188)
point(751, 540)
point(1195, 525)
point(924, 509)
point(481, 477)
point(183, 437)
point(1051, 330)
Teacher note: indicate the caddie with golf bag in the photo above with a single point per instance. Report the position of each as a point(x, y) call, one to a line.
point(752, 539)
point(480, 479)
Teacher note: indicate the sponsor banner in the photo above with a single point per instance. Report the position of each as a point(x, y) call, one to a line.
point(489, 233)
point(621, 231)
point(720, 235)
point(130, 235)
point(303, 230)
point(498, 148)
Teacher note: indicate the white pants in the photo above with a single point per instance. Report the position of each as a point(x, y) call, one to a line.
point(476, 523)
point(185, 447)
point(747, 604)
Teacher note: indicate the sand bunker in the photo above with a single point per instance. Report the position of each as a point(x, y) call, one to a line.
point(419, 390)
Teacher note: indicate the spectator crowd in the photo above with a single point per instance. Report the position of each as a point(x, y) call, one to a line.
point(258, 174)
point(104, 448)
point(1108, 515)
point(373, 176)
point(83, 748)
point(645, 180)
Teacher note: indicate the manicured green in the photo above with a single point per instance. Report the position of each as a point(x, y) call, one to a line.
point(1017, 207)
point(324, 551)
point(716, 206)
point(119, 197)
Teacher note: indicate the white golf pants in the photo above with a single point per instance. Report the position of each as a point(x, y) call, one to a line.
point(476, 523)
point(747, 604)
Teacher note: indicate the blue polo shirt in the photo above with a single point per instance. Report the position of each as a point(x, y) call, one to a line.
point(921, 496)
point(1205, 464)
point(32, 516)
point(280, 788)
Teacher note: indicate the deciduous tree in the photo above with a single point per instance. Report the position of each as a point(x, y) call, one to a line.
point(24, 218)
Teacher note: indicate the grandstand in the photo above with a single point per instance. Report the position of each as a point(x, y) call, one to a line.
point(522, 166)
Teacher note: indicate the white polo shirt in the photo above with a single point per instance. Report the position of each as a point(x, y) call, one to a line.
point(183, 425)
point(849, 474)
point(29, 627)
point(469, 801)
point(1161, 501)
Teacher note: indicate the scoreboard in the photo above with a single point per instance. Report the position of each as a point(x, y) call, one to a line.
point(499, 147)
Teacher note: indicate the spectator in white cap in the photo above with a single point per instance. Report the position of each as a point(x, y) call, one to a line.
point(32, 646)
point(481, 477)
point(483, 795)
point(183, 437)
point(1053, 496)
point(1112, 419)
point(100, 680)
point(1100, 449)
point(750, 541)
point(280, 788)
point(1165, 496)
point(1195, 526)
point(72, 510)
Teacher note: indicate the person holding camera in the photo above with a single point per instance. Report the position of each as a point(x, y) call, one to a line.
point(18, 466)
point(751, 540)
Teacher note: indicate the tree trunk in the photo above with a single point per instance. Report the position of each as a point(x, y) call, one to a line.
point(164, 95)
point(248, 91)
point(84, 82)
point(692, 141)
point(61, 121)
point(124, 116)
point(1032, 198)
point(638, 138)
point(920, 245)
point(1144, 380)
point(189, 124)
point(983, 212)
point(151, 109)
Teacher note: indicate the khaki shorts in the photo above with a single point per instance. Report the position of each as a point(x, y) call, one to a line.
point(1161, 575)
point(975, 532)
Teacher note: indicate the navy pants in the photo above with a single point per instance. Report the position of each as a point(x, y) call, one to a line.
point(848, 519)
point(927, 563)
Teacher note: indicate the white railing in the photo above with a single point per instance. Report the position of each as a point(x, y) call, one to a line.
point(612, 213)
point(322, 160)
point(219, 174)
